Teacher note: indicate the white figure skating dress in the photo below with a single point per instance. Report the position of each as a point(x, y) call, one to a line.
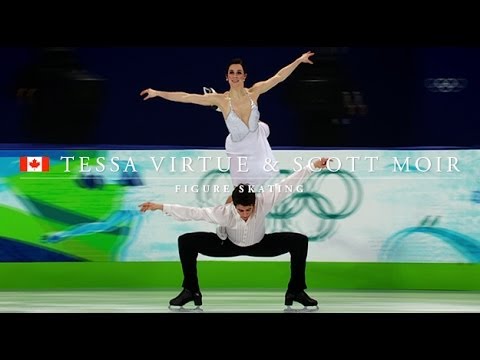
point(248, 144)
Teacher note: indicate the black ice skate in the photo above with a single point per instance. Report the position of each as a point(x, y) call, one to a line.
point(184, 298)
point(302, 298)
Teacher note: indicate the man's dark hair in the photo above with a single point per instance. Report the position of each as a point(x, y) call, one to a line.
point(235, 62)
point(243, 194)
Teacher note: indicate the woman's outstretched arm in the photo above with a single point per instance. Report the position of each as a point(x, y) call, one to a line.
point(264, 86)
point(179, 96)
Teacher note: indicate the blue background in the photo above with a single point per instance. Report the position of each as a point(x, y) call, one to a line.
point(401, 111)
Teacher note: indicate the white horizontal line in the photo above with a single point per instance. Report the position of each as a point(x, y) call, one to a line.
point(192, 178)
point(390, 178)
point(104, 178)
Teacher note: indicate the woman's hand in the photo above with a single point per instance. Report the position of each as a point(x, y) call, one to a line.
point(305, 58)
point(150, 93)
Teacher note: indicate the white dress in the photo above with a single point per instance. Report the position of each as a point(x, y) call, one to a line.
point(251, 157)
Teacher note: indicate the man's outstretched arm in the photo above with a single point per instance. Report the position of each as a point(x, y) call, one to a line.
point(280, 190)
point(216, 215)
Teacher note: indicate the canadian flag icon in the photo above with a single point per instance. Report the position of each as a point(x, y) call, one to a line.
point(34, 163)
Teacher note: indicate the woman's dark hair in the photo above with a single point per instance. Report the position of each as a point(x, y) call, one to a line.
point(243, 194)
point(235, 62)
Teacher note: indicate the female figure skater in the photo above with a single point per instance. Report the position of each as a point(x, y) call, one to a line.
point(247, 146)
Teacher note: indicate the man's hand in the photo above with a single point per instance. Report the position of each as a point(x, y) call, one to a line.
point(321, 163)
point(150, 206)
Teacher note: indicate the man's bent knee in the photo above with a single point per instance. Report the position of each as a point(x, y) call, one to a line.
point(302, 237)
point(301, 240)
point(185, 237)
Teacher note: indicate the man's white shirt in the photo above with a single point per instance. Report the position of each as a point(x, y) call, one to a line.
point(240, 232)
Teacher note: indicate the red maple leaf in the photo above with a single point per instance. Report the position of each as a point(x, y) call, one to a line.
point(34, 164)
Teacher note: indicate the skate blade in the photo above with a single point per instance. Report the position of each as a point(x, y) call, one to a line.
point(184, 310)
point(306, 309)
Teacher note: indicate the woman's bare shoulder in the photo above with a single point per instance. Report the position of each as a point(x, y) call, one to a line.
point(252, 93)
